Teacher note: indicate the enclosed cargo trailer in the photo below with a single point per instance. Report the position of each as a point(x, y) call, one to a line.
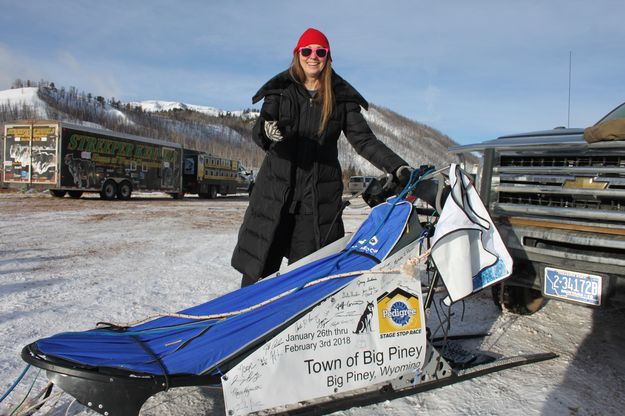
point(73, 159)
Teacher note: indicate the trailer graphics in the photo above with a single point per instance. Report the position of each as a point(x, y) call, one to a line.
point(89, 159)
point(30, 154)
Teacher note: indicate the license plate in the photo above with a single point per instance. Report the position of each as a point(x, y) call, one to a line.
point(577, 287)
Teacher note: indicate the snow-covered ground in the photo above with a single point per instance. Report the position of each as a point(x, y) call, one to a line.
point(66, 264)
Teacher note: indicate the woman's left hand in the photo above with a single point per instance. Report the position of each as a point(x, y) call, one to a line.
point(272, 131)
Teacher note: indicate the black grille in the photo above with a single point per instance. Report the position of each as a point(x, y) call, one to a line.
point(563, 161)
point(560, 201)
point(537, 173)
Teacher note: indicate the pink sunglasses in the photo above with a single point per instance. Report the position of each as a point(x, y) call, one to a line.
point(321, 53)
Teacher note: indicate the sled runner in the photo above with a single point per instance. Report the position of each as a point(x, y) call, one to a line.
point(349, 322)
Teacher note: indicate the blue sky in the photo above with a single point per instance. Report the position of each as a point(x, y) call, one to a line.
point(472, 69)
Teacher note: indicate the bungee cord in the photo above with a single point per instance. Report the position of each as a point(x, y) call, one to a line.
point(225, 315)
point(15, 383)
point(27, 393)
point(412, 183)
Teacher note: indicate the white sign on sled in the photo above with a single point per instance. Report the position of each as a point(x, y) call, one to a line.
point(371, 331)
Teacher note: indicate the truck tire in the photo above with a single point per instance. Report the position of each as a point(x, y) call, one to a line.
point(74, 194)
point(517, 299)
point(109, 190)
point(57, 193)
point(124, 191)
point(212, 192)
point(203, 195)
point(177, 195)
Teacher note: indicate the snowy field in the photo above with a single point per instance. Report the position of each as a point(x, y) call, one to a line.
point(66, 264)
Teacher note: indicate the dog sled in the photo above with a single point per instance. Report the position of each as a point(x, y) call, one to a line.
point(345, 326)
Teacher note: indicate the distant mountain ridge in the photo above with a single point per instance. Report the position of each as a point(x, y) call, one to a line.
point(225, 133)
point(155, 106)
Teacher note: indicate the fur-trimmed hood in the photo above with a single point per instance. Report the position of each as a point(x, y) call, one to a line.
point(343, 91)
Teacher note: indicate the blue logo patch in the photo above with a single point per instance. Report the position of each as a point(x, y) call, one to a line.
point(400, 313)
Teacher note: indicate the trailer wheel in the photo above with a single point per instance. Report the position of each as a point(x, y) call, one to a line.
point(75, 194)
point(203, 195)
point(517, 299)
point(212, 192)
point(177, 195)
point(57, 193)
point(124, 191)
point(109, 190)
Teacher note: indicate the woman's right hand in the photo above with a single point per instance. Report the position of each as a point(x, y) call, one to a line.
point(272, 132)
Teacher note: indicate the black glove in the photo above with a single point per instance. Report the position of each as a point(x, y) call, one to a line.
point(423, 169)
point(403, 173)
point(378, 190)
point(386, 186)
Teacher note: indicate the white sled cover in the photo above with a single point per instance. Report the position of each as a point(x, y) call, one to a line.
point(369, 332)
point(467, 248)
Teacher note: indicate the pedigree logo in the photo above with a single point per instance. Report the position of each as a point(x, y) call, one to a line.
point(399, 314)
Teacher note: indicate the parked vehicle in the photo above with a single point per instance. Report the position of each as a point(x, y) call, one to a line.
point(71, 159)
point(75, 159)
point(208, 175)
point(358, 183)
point(559, 203)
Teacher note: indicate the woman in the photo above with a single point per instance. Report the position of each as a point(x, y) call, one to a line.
point(296, 204)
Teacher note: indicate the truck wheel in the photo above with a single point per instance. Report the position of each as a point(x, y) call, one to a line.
point(124, 191)
point(57, 193)
point(212, 192)
point(109, 190)
point(75, 194)
point(517, 299)
point(177, 195)
point(203, 195)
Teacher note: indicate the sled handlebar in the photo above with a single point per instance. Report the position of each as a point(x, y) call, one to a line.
point(429, 187)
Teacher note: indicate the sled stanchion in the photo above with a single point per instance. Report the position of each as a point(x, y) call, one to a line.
point(430, 295)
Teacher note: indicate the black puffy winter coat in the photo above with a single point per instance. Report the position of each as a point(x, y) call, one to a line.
point(304, 166)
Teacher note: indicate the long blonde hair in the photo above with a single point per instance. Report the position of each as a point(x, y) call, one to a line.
point(325, 94)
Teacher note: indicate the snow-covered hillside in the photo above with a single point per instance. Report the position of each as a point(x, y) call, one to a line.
point(210, 129)
point(417, 144)
point(24, 98)
point(27, 101)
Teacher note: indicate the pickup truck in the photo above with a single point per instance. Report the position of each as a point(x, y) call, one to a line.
point(558, 201)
